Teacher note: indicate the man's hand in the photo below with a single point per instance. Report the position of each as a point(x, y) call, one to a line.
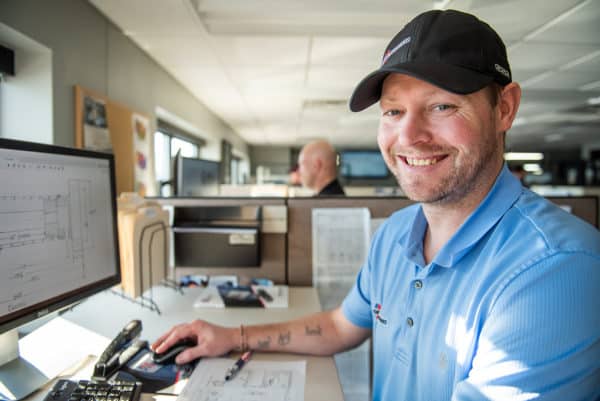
point(211, 340)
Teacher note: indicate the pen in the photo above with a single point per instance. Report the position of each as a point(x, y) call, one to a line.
point(237, 366)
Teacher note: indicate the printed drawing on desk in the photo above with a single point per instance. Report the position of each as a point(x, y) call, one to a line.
point(257, 381)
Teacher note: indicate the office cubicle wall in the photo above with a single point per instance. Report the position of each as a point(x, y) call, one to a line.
point(584, 207)
point(272, 236)
point(286, 229)
point(299, 257)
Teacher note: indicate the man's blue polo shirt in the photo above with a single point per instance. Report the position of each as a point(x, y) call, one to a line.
point(508, 309)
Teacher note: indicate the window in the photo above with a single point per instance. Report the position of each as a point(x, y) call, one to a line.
point(168, 140)
point(188, 149)
point(236, 170)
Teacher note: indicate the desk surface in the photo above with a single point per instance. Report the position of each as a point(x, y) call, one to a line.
point(106, 313)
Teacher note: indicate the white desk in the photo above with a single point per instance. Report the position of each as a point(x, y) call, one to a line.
point(107, 313)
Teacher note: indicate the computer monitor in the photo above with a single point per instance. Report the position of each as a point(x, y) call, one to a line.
point(363, 164)
point(58, 242)
point(197, 177)
point(174, 173)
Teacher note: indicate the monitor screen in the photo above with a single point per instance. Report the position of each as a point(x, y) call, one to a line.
point(363, 164)
point(58, 232)
point(197, 177)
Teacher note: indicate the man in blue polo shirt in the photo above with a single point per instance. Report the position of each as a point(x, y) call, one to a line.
point(481, 291)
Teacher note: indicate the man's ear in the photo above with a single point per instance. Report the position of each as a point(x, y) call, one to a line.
point(508, 104)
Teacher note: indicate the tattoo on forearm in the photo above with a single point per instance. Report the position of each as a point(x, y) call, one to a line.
point(312, 331)
point(284, 338)
point(264, 344)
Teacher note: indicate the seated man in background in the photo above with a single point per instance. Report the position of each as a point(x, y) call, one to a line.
point(317, 165)
point(481, 291)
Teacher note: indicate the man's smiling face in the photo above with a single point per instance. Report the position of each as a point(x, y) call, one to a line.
point(440, 146)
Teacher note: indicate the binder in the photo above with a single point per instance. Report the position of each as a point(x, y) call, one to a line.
point(144, 243)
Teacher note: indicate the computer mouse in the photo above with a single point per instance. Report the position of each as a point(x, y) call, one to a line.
point(168, 357)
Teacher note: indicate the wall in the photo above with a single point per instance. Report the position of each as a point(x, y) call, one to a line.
point(88, 50)
point(26, 99)
point(276, 158)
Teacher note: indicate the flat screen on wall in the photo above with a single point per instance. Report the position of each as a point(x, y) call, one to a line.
point(367, 164)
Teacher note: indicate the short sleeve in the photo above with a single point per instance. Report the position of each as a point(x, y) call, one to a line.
point(356, 305)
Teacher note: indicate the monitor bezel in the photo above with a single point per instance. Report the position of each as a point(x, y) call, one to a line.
point(181, 180)
point(18, 318)
point(362, 176)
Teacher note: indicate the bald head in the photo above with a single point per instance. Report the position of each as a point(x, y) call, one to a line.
point(317, 162)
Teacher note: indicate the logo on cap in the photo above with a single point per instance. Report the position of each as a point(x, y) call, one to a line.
point(389, 53)
point(502, 70)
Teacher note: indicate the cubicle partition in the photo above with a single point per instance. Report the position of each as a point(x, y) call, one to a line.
point(584, 207)
point(299, 255)
point(245, 237)
point(299, 258)
point(285, 231)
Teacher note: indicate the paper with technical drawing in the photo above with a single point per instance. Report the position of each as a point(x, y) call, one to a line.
point(256, 381)
point(340, 241)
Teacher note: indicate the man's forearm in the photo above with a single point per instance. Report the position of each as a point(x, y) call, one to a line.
point(318, 334)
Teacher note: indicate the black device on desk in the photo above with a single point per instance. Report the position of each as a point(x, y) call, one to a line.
point(168, 357)
point(84, 390)
point(117, 354)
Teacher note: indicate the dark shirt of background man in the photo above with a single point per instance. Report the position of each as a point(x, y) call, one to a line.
point(333, 188)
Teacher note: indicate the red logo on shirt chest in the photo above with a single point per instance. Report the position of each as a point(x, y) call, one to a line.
point(378, 316)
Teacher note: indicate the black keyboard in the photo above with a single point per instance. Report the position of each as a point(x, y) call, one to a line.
point(85, 390)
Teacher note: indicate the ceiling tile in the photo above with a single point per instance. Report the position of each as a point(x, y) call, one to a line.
point(179, 50)
point(277, 65)
point(581, 26)
point(336, 78)
point(362, 52)
point(274, 108)
point(513, 19)
point(261, 50)
point(522, 75)
point(284, 80)
point(156, 17)
point(591, 64)
point(536, 55)
point(284, 18)
point(565, 80)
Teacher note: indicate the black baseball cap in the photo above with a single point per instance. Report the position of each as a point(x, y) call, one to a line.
point(450, 49)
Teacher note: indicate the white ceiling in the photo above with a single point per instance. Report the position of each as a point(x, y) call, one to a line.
point(280, 72)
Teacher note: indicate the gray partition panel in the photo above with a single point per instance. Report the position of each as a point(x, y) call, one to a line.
point(299, 255)
point(584, 207)
point(299, 258)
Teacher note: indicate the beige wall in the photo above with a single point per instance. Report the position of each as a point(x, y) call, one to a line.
point(90, 51)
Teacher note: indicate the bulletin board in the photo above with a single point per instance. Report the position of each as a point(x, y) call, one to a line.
point(105, 125)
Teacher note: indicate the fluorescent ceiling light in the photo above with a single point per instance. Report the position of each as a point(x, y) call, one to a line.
point(593, 101)
point(554, 137)
point(532, 168)
point(580, 60)
point(523, 156)
point(441, 4)
point(534, 80)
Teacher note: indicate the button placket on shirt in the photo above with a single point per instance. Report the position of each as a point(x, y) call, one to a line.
point(417, 285)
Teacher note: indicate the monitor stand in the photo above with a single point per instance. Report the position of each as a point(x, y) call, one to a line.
point(18, 378)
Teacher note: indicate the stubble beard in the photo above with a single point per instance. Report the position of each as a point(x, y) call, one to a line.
point(467, 176)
